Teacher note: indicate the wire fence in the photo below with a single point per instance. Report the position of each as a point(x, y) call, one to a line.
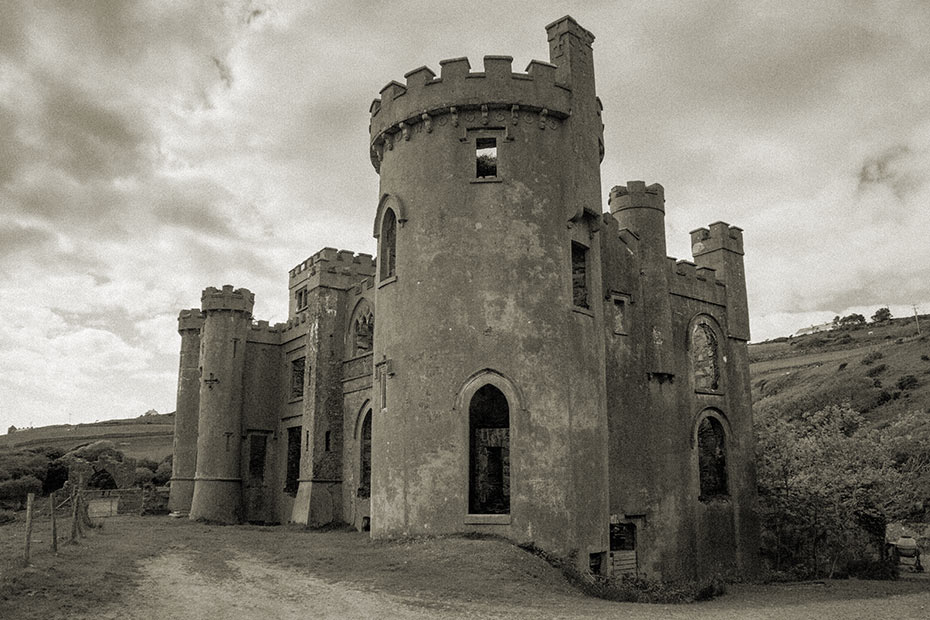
point(70, 513)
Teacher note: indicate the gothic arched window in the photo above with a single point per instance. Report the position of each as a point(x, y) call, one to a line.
point(489, 452)
point(712, 458)
point(364, 474)
point(705, 357)
point(388, 241)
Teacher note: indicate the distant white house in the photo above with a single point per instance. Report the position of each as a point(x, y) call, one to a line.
point(813, 329)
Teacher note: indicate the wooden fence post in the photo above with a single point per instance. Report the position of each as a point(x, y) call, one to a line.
point(74, 515)
point(51, 507)
point(30, 499)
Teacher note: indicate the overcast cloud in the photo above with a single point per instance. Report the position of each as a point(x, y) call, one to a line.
point(151, 149)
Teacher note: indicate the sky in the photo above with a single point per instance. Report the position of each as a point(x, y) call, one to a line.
point(150, 149)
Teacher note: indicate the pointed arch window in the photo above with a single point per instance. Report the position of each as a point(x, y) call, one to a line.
point(388, 241)
point(361, 329)
point(489, 452)
point(705, 357)
point(364, 470)
point(712, 459)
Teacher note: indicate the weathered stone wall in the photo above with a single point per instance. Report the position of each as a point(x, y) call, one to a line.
point(483, 291)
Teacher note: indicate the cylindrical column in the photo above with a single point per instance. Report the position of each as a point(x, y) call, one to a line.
point(218, 482)
point(184, 463)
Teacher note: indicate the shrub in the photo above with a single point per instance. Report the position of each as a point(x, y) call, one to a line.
point(874, 371)
point(906, 382)
point(17, 490)
point(7, 516)
point(925, 357)
point(873, 569)
point(871, 357)
point(162, 474)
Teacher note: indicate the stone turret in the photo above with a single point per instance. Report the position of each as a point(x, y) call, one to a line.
point(218, 480)
point(489, 297)
point(641, 210)
point(184, 463)
point(721, 248)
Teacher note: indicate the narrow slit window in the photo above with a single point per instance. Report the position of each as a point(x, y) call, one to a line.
point(388, 242)
point(292, 470)
point(298, 370)
point(486, 158)
point(579, 275)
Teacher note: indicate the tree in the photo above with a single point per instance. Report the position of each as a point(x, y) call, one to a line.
point(828, 485)
point(882, 314)
point(852, 319)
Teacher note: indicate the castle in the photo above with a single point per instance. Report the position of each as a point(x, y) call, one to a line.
point(514, 362)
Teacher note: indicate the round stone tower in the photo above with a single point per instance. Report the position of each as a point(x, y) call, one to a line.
point(489, 397)
point(218, 480)
point(184, 463)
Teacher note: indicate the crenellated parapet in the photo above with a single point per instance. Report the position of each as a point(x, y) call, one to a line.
point(496, 96)
point(686, 279)
point(635, 194)
point(190, 320)
point(264, 333)
point(331, 260)
point(719, 236)
point(227, 298)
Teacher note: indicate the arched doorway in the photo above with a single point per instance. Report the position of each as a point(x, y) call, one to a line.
point(489, 452)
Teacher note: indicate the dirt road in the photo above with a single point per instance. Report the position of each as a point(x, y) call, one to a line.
point(177, 585)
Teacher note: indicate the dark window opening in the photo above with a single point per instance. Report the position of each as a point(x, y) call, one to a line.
point(302, 298)
point(292, 471)
point(327, 438)
point(712, 459)
point(298, 369)
point(579, 275)
point(596, 563)
point(486, 158)
point(364, 478)
point(622, 537)
point(619, 316)
point(364, 333)
point(704, 356)
point(489, 452)
point(388, 240)
point(258, 449)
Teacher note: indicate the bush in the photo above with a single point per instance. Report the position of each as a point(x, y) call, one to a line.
point(925, 357)
point(906, 382)
point(7, 516)
point(17, 490)
point(873, 569)
point(871, 357)
point(162, 474)
point(874, 371)
point(143, 477)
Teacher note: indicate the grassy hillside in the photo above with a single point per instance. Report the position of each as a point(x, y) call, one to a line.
point(148, 436)
point(880, 370)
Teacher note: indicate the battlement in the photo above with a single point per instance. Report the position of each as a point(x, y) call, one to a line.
point(332, 260)
point(719, 236)
point(238, 300)
point(687, 279)
point(458, 88)
point(364, 285)
point(191, 319)
point(263, 333)
point(635, 195)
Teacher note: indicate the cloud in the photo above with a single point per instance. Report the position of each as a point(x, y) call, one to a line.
point(151, 149)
